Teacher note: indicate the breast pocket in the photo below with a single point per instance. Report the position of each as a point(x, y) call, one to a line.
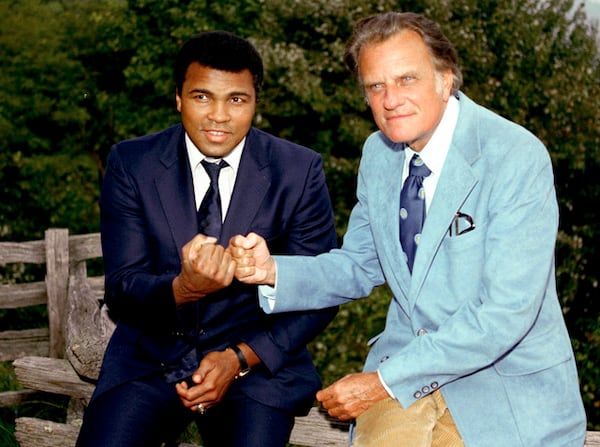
point(462, 259)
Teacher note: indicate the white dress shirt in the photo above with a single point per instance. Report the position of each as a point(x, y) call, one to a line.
point(226, 177)
point(435, 151)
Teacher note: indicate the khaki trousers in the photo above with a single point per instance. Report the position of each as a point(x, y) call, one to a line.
point(426, 423)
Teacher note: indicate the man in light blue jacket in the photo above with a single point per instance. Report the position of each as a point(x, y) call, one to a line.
point(475, 351)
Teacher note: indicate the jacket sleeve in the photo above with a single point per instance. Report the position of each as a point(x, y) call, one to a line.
point(137, 290)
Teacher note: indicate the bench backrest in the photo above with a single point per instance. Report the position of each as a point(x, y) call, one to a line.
point(53, 251)
point(59, 255)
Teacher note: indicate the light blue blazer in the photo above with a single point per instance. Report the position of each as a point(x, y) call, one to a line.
point(479, 319)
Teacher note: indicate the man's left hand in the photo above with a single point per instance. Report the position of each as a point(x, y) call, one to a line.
point(350, 396)
point(211, 380)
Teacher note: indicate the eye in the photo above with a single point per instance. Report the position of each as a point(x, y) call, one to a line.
point(376, 87)
point(407, 79)
point(237, 100)
point(201, 97)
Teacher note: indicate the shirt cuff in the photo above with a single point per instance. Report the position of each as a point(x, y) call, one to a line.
point(267, 297)
point(387, 388)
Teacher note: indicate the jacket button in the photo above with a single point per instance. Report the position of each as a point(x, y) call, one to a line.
point(425, 389)
point(417, 394)
point(421, 332)
point(434, 385)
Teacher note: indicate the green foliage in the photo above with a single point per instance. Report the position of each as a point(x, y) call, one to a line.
point(58, 190)
point(77, 76)
point(342, 348)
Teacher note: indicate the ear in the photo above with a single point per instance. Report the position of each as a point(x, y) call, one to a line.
point(448, 81)
point(178, 101)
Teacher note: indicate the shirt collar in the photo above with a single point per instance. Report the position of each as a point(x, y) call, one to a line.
point(435, 151)
point(195, 156)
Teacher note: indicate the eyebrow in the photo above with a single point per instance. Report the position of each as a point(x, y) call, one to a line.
point(229, 94)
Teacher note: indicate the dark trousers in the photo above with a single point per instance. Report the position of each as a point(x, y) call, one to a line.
point(148, 413)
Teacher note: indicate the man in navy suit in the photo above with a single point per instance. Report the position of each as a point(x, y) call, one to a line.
point(190, 342)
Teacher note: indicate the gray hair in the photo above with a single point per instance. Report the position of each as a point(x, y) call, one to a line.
point(379, 28)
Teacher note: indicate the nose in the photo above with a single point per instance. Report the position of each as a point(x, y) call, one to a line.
point(393, 97)
point(218, 112)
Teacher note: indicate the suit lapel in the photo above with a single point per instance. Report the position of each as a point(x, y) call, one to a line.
point(387, 183)
point(176, 191)
point(251, 185)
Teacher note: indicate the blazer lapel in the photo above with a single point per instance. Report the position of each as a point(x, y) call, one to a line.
point(251, 185)
point(387, 183)
point(176, 192)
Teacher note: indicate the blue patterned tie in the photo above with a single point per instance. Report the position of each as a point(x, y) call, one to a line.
point(209, 213)
point(412, 208)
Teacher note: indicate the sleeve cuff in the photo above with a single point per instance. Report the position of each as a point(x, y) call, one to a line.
point(266, 296)
point(387, 388)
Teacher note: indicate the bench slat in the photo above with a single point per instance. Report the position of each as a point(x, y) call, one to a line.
point(84, 246)
point(15, 344)
point(51, 375)
point(16, 398)
point(33, 432)
point(318, 429)
point(14, 296)
point(30, 251)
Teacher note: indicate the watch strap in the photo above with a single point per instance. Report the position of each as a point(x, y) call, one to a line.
point(244, 368)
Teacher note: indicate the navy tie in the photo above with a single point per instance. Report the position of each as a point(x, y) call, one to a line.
point(412, 208)
point(209, 213)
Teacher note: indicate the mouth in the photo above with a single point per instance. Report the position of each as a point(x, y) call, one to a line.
point(216, 132)
point(216, 135)
point(398, 116)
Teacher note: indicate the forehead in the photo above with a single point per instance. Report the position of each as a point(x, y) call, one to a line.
point(403, 51)
point(199, 76)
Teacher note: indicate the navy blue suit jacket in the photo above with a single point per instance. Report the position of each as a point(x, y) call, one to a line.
point(148, 214)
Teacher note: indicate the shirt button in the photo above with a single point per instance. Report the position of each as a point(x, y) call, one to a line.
point(421, 332)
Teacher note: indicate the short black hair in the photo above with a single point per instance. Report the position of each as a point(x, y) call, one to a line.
point(220, 50)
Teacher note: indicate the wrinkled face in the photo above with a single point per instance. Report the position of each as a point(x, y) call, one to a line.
point(406, 94)
point(217, 108)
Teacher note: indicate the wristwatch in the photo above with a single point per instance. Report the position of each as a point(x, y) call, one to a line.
point(244, 368)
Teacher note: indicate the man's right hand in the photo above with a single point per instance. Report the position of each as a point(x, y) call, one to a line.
point(205, 268)
point(254, 264)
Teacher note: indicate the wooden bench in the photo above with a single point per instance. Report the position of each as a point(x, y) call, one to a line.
point(64, 360)
point(58, 376)
point(65, 357)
